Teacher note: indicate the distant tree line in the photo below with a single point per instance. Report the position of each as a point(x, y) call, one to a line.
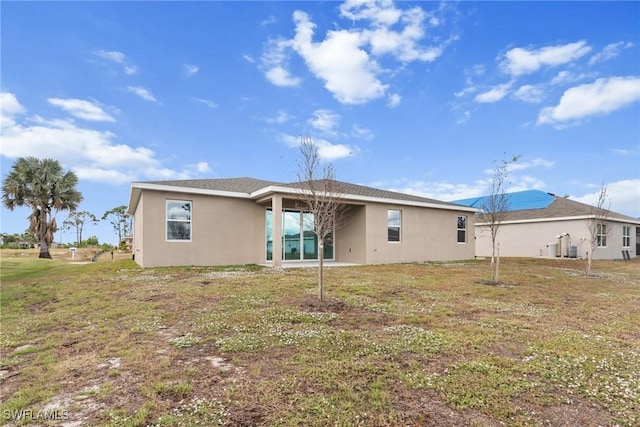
point(44, 187)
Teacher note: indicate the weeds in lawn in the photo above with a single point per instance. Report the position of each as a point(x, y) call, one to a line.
point(595, 367)
point(415, 344)
point(184, 341)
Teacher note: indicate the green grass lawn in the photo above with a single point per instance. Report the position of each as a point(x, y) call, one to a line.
point(111, 344)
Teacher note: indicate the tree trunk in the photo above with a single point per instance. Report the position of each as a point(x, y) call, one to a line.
point(589, 258)
point(42, 231)
point(320, 267)
point(493, 261)
point(497, 273)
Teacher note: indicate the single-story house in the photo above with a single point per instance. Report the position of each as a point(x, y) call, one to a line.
point(543, 224)
point(208, 222)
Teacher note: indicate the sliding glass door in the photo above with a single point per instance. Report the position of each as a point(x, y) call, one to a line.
point(299, 241)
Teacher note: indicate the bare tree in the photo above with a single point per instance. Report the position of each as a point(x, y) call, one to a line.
point(597, 225)
point(321, 195)
point(77, 220)
point(495, 208)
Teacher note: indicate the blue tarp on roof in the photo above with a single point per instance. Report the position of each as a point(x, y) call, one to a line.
point(518, 201)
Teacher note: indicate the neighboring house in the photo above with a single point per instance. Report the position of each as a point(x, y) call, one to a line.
point(543, 224)
point(249, 221)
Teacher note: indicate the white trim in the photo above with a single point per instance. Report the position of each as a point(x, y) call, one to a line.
point(260, 195)
point(354, 197)
point(466, 229)
point(189, 190)
point(166, 221)
point(564, 218)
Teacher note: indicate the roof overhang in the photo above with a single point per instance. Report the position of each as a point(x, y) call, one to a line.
point(564, 218)
point(267, 192)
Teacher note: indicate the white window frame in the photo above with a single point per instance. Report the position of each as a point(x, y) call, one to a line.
point(626, 236)
point(458, 229)
point(399, 226)
point(167, 219)
point(601, 235)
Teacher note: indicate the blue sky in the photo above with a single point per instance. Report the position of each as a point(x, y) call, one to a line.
point(417, 97)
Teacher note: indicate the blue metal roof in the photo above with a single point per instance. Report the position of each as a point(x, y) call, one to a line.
point(518, 201)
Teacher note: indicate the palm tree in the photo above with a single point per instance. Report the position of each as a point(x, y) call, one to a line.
point(43, 186)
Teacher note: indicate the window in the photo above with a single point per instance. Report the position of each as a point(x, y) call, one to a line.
point(394, 221)
point(178, 220)
point(601, 235)
point(626, 236)
point(299, 241)
point(462, 229)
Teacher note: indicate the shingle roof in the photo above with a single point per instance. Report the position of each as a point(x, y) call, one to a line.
point(235, 185)
point(559, 207)
point(249, 185)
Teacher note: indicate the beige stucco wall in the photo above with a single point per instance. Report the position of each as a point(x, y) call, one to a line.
point(224, 231)
point(426, 235)
point(138, 231)
point(351, 238)
point(531, 239)
point(228, 230)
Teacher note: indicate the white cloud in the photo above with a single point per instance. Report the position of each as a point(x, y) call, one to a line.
point(519, 61)
point(274, 62)
point(325, 121)
point(466, 91)
point(394, 100)
point(623, 195)
point(347, 70)
point(347, 60)
point(329, 151)
point(201, 167)
point(249, 59)
point(93, 155)
point(209, 103)
point(495, 94)
point(281, 117)
point(438, 190)
point(269, 20)
point(119, 58)
point(326, 150)
point(363, 133)
point(535, 163)
point(9, 105)
point(601, 97)
point(624, 152)
point(529, 93)
point(464, 118)
point(82, 109)
point(610, 51)
point(279, 76)
point(190, 70)
point(142, 93)
point(9, 108)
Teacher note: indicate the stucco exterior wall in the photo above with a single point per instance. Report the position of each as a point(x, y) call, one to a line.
point(137, 249)
point(350, 244)
point(532, 239)
point(229, 230)
point(224, 231)
point(426, 235)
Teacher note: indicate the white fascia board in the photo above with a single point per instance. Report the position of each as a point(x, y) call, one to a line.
point(188, 190)
point(564, 218)
point(352, 197)
point(134, 198)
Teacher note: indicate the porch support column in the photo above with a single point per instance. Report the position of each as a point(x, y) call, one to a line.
point(276, 206)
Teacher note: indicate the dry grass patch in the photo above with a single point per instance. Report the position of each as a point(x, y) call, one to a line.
point(418, 344)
